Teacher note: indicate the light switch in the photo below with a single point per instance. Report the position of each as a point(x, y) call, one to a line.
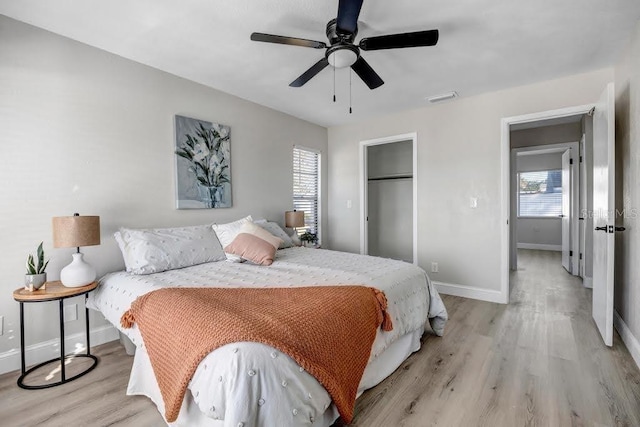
point(349, 204)
point(473, 202)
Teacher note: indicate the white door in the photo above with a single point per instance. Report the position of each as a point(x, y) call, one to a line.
point(604, 212)
point(566, 210)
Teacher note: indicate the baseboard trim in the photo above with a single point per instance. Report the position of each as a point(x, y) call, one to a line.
point(469, 292)
point(540, 247)
point(45, 350)
point(629, 340)
point(587, 282)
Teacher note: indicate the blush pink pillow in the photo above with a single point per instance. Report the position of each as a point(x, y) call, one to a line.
point(254, 244)
point(252, 248)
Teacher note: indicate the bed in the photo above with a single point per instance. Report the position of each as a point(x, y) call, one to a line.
point(222, 392)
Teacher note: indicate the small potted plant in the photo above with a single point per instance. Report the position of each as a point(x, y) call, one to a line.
point(309, 239)
point(36, 275)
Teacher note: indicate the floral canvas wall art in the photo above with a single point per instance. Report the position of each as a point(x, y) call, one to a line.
point(203, 164)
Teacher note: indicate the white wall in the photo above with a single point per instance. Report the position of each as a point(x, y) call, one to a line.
point(539, 162)
point(555, 134)
point(82, 130)
point(389, 159)
point(627, 271)
point(458, 158)
point(391, 219)
point(541, 232)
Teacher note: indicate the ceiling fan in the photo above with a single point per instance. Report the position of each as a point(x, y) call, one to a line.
point(342, 52)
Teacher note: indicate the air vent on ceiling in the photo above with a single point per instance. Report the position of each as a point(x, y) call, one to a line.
point(442, 97)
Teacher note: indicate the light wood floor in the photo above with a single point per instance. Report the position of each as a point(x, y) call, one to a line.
point(538, 361)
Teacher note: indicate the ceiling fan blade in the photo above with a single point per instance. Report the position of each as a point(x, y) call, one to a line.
point(293, 41)
point(366, 73)
point(396, 41)
point(348, 12)
point(310, 73)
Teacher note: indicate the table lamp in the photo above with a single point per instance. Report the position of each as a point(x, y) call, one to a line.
point(294, 219)
point(73, 232)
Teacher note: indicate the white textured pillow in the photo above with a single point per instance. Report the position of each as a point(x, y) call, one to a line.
point(227, 232)
point(276, 230)
point(155, 250)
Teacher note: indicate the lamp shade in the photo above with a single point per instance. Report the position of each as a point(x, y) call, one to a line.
point(76, 231)
point(294, 219)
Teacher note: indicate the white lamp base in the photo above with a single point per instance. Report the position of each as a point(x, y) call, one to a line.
point(78, 273)
point(295, 238)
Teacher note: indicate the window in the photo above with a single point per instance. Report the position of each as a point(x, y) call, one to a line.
point(540, 193)
point(306, 187)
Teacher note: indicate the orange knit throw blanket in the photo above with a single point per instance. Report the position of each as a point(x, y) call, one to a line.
point(328, 330)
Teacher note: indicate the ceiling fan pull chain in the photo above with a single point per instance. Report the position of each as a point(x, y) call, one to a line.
point(334, 84)
point(350, 103)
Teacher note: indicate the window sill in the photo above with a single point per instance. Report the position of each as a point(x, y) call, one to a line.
point(539, 217)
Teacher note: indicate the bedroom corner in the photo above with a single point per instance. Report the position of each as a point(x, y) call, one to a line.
point(87, 131)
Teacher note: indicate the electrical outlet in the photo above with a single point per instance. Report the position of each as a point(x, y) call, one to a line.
point(349, 204)
point(1, 325)
point(70, 312)
point(434, 267)
point(473, 202)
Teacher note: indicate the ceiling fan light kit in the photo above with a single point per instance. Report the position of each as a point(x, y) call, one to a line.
point(342, 52)
point(342, 57)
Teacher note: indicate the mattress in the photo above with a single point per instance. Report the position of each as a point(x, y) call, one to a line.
point(251, 384)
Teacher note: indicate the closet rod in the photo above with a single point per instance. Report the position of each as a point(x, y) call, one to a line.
point(384, 178)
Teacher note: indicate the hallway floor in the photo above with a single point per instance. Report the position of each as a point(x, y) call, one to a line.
point(539, 361)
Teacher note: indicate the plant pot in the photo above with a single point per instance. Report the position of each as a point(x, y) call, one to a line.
point(34, 282)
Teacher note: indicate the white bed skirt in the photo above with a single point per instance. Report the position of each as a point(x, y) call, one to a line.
point(143, 382)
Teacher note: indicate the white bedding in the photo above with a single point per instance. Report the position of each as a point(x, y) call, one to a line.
point(251, 384)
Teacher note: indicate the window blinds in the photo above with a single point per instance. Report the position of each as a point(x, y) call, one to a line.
point(540, 193)
point(306, 180)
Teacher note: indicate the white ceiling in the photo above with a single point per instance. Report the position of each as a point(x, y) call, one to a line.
point(484, 45)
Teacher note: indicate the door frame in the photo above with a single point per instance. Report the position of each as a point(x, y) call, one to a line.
point(587, 281)
point(413, 137)
point(574, 240)
point(505, 171)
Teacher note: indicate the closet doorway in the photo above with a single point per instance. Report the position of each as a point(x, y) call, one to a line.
point(388, 197)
